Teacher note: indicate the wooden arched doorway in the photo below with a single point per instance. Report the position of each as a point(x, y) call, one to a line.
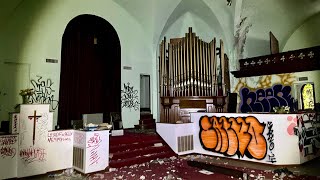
point(90, 76)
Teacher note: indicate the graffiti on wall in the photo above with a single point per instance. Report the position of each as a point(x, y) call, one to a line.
point(293, 123)
point(129, 97)
point(7, 146)
point(93, 146)
point(308, 131)
point(271, 156)
point(233, 136)
point(32, 154)
point(43, 92)
point(263, 100)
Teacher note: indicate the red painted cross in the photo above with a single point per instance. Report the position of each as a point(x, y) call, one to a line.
point(34, 117)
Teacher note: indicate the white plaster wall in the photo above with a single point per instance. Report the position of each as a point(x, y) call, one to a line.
point(307, 35)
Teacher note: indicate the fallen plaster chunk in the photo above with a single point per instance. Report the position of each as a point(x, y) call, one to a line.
point(291, 176)
point(282, 175)
point(160, 162)
point(112, 169)
point(260, 177)
point(173, 158)
point(101, 176)
point(203, 171)
point(142, 177)
point(158, 144)
point(218, 158)
point(251, 175)
point(225, 163)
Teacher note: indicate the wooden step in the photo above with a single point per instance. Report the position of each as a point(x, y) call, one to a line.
point(138, 152)
point(145, 126)
point(132, 146)
point(146, 116)
point(147, 121)
point(140, 159)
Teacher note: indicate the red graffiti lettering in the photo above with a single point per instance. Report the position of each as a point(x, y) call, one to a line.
point(33, 154)
point(59, 136)
point(8, 140)
point(7, 151)
point(93, 144)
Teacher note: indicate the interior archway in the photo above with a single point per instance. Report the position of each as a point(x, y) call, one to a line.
point(90, 76)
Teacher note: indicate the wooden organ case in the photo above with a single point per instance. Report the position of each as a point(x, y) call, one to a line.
point(193, 77)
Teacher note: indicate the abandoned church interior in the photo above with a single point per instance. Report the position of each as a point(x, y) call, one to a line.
point(169, 89)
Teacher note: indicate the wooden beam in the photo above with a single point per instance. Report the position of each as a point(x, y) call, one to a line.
point(217, 169)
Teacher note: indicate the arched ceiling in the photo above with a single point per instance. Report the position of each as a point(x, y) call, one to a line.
point(7, 7)
point(199, 8)
point(282, 17)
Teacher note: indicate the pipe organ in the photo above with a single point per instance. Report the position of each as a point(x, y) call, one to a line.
point(193, 77)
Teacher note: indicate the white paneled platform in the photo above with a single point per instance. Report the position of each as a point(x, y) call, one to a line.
point(279, 139)
point(35, 149)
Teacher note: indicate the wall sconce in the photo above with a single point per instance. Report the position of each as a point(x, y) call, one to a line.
point(229, 2)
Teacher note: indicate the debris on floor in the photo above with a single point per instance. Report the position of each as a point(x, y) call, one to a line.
point(70, 174)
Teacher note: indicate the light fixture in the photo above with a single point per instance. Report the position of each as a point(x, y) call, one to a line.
point(229, 2)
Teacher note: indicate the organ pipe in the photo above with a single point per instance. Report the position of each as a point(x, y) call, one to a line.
point(188, 67)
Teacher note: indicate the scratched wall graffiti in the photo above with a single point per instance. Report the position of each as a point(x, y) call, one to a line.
point(79, 138)
point(43, 92)
point(308, 131)
point(32, 154)
point(60, 136)
point(42, 126)
point(271, 156)
point(7, 148)
point(129, 97)
point(7, 151)
point(15, 123)
point(233, 136)
point(8, 140)
point(93, 146)
point(263, 100)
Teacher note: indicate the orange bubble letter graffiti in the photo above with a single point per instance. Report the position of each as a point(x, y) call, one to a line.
point(208, 135)
point(230, 136)
point(258, 144)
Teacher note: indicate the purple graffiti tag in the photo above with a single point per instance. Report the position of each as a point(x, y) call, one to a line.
point(263, 100)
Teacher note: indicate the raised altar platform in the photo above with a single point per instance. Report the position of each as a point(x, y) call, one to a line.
point(279, 139)
point(35, 149)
